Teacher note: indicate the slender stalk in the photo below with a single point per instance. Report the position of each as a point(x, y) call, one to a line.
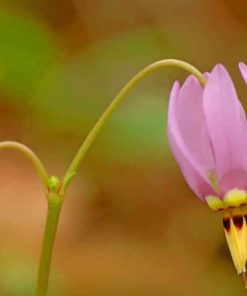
point(57, 190)
point(31, 155)
point(54, 208)
point(115, 103)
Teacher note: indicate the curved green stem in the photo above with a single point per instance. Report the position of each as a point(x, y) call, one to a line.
point(29, 154)
point(115, 103)
point(56, 190)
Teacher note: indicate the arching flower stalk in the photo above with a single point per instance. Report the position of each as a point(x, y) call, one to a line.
point(207, 131)
point(56, 189)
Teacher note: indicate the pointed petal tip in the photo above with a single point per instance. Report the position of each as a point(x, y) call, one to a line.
point(206, 75)
point(175, 88)
point(173, 94)
point(172, 104)
point(243, 70)
point(176, 84)
point(219, 69)
point(191, 79)
point(242, 66)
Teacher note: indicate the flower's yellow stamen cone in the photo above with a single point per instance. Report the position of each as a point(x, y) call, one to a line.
point(236, 236)
point(234, 209)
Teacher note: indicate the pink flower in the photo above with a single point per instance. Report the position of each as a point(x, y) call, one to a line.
point(207, 132)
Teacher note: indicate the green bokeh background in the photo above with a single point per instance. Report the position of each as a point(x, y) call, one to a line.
point(130, 225)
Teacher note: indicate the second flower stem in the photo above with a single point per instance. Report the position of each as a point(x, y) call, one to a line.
point(12, 145)
point(115, 103)
point(57, 192)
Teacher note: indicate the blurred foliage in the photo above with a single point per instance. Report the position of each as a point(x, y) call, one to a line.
point(78, 91)
point(18, 276)
point(72, 96)
point(138, 131)
point(26, 51)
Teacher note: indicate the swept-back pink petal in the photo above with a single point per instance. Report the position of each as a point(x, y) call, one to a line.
point(243, 71)
point(227, 129)
point(191, 170)
point(192, 125)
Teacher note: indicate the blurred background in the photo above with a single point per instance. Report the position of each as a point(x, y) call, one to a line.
point(130, 225)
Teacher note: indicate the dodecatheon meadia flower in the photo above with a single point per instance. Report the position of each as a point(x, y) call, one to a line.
point(207, 131)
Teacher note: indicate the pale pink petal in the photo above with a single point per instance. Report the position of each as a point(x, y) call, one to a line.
point(227, 129)
point(195, 181)
point(206, 75)
point(191, 170)
point(192, 125)
point(243, 70)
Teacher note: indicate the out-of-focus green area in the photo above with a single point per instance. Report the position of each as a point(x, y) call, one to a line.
point(130, 226)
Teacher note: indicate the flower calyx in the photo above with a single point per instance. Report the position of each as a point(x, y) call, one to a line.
point(233, 198)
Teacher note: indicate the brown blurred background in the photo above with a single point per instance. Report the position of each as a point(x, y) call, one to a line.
point(130, 225)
